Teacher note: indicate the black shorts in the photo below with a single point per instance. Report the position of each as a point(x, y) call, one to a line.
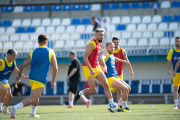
point(73, 87)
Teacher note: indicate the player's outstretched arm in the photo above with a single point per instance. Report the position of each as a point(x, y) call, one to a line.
point(175, 69)
point(55, 70)
point(120, 60)
point(168, 67)
point(16, 70)
point(102, 58)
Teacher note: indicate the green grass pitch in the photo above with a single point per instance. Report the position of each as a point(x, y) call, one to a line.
point(98, 112)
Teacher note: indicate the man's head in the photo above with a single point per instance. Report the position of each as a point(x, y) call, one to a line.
point(11, 54)
point(99, 34)
point(42, 39)
point(104, 20)
point(116, 41)
point(72, 55)
point(110, 47)
point(177, 41)
point(93, 19)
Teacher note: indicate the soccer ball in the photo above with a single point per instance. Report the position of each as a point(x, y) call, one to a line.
point(112, 107)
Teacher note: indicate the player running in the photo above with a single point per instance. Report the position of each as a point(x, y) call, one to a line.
point(108, 60)
point(174, 56)
point(40, 59)
point(7, 66)
point(91, 67)
point(121, 54)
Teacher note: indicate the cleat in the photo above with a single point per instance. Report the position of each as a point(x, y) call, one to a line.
point(69, 107)
point(88, 103)
point(76, 97)
point(13, 113)
point(120, 107)
point(126, 110)
point(119, 110)
point(6, 112)
point(34, 116)
point(176, 107)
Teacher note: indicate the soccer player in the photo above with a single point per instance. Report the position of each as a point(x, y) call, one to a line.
point(121, 54)
point(40, 59)
point(174, 56)
point(91, 67)
point(108, 60)
point(74, 76)
point(7, 66)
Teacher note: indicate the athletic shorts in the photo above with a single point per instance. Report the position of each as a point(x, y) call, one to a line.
point(87, 74)
point(7, 86)
point(73, 87)
point(176, 80)
point(121, 76)
point(110, 81)
point(35, 84)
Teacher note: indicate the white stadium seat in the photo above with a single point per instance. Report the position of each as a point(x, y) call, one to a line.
point(66, 21)
point(8, 45)
point(89, 28)
point(59, 44)
point(80, 28)
point(116, 20)
point(46, 22)
point(162, 26)
point(56, 22)
point(156, 19)
point(136, 19)
point(154, 41)
point(40, 30)
point(137, 35)
point(70, 44)
point(60, 29)
point(164, 41)
point(18, 9)
point(143, 42)
point(36, 22)
point(116, 34)
point(1, 46)
point(126, 20)
point(112, 28)
point(146, 19)
point(123, 42)
point(132, 42)
point(142, 27)
point(96, 7)
point(75, 36)
point(165, 4)
point(79, 43)
point(4, 37)
point(14, 37)
point(10, 30)
point(26, 22)
point(126, 35)
point(158, 34)
point(55, 37)
point(28, 45)
point(172, 42)
point(70, 28)
point(50, 29)
point(131, 27)
point(147, 34)
point(24, 38)
point(2, 30)
point(64, 37)
point(36, 45)
point(152, 26)
point(173, 26)
point(16, 23)
point(34, 37)
point(18, 45)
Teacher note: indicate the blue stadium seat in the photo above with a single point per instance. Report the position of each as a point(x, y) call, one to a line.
point(50, 44)
point(66, 8)
point(86, 7)
point(145, 86)
point(9, 9)
point(125, 6)
point(49, 90)
point(28, 91)
point(75, 21)
point(2, 9)
point(169, 34)
point(167, 18)
point(145, 5)
point(6, 23)
point(81, 84)
point(20, 30)
point(156, 86)
point(37, 8)
point(30, 30)
point(76, 7)
point(121, 27)
point(28, 9)
point(127, 81)
point(101, 89)
point(60, 88)
point(176, 18)
point(167, 86)
point(115, 6)
point(46, 8)
point(0, 23)
point(57, 8)
point(158, 5)
point(67, 87)
point(175, 4)
point(85, 36)
point(135, 6)
point(85, 21)
point(106, 6)
point(134, 86)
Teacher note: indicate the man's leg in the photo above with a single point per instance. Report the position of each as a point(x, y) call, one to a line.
point(19, 96)
point(4, 91)
point(176, 96)
point(33, 109)
point(71, 97)
point(8, 101)
point(119, 98)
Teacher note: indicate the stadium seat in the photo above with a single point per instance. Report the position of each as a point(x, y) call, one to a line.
point(9, 9)
point(145, 86)
point(10, 30)
point(66, 21)
point(49, 91)
point(70, 28)
point(168, 34)
point(8, 45)
point(156, 86)
point(40, 30)
point(101, 89)
point(0, 23)
point(50, 44)
point(36, 22)
point(85, 36)
point(123, 43)
point(1, 46)
point(115, 6)
point(59, 44)
point(175, 4)
point(60, 29)
point(126, 35)
point(142, 27)
point(46, 22)
point(115, 34)
point(79, 43)
point(57, 8)
point(28, 45)
point(121, 27)
point(50, 29)
point(135, 6)
point(86, 7)
point(147, 34)
point(24, 37)
point(80, 28)
point(37, 8)
point(112, 28)
point(85, 21)
point(132, 42)
point(167, 86)
point(167, 18)
point(164, 41)
point(89, 28)
point(135, 86)
point(146, 19)
point(2, 9)
point(125, 20)
point(36, 45)
point(4, 38)
point(28, 9)
point(96, 7)
point(125, 6)
point(176, 18)
point(136, 19)
point(55, 21)
point(46, 8)
point(30, 30)
point(18, 9)
point(60, 88)
point(115, 20)
point(18, 46)
point(106, 6)
point(145, 5)
point(70, 44)
point(34, 37)
point(137, 35)
point(64, 37)
point(156, 19)
point(131, 27)
point(154, 42)
point(75, 36)
point(75, 21)
point(26, 22)
point(20, 30)
point(2, 30)
point(55, 37)
point(6, 23)
point(162, 26)
point(14, 38)
point(81, 84)
point(143, 42)
point(155, 5)
point(66, 8)
point(16, 23)
point(172, 42)
point(173, 26)
point(76, 7)
point(165, 4)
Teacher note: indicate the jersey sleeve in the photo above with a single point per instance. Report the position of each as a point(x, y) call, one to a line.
point(106, 56)
point(169, 56)
point(3, 65)
point(92, 43)
point(31, 54)
point(51, 52)
point(123, 51)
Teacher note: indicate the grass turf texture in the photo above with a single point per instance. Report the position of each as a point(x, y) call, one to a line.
point(98, 112)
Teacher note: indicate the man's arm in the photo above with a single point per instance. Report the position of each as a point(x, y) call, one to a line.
point(55, 70)
point(73, 71)
point(168, 67)
point(101, 60)
point(175, 69)
point(119, 60)
point(16, 70)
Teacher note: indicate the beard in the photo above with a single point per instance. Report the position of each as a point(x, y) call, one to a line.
point(110, 52)
point(177, 45)
point(100, 41)
point(116, 46)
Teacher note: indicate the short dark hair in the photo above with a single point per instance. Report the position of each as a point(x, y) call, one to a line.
point(109, 43)
point(42, 38)
point(115, 38)
point(11, 51)
point(73, 53)
point(177, 38)
point(93, 18)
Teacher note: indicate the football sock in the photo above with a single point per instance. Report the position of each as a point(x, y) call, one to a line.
point(111, 100)
point(81, 92)
point(84, 98)
point(33, 109)
point(176, 102)
point(5, 109)
point(1, 105)
point(18, 106)
point(120, 102)
point(70, 103)
point(124, 104)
